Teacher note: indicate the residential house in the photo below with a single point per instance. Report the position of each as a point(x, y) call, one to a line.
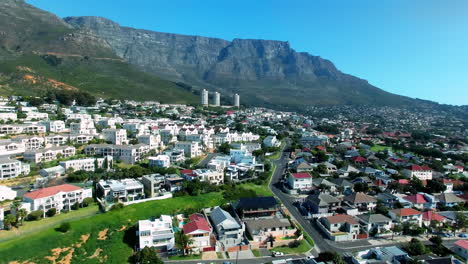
point(431, 216)
point(60, 197)
point(115, 136)
point(420, 172)
point(191, 148)
point(87, 164)
point(210, 176)
point(154, 184)
point(54, 126)
point(300, 182)
point(421, 201)
point(362, 201)
point(271, 141)
point(157, 233)
point(8, 147)
point(199, 230)
point(174, 183)
point(461, 248)
point(30, 142)
point(387, 255)
point(449, 199)
point(340, 227)
point(375, 223)
point(52, 172)
point(388, 199)
point(229, 231)
point(124, 190)
point(321, 203)
point(406, 215)
point(6, 193)
point(257, 207)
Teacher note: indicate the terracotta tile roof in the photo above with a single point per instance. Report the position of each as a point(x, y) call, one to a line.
point(462, 243)
point(302, 175)
point(406, 211)
point(50, 191)
point(419, 168)
point(416, 199)
point(197, 222)
point(430, 215)
point(342, 218)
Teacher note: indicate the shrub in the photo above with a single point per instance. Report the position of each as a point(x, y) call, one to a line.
point(117, 206)
point(35, 215)
point(75, 206)
point(64, 227)
point(51, 212)
point(294, 244)
point(87, 201)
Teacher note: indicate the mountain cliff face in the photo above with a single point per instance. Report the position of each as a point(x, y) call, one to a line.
point(264, 72)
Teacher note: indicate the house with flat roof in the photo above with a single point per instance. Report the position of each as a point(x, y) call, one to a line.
point(340, 227)
point(156, 233)
point(124, 190)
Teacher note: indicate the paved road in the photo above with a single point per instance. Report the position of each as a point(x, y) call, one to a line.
point(240, 261)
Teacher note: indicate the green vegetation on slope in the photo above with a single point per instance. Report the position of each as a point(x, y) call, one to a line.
point(31, 74)
point(112, 232)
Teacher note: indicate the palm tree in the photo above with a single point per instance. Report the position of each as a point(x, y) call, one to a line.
point(183, 242)
point(22, 213)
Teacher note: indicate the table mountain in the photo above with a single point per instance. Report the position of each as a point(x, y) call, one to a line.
point(265, 72)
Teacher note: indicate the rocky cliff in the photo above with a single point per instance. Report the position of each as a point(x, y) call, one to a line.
point(263, 71)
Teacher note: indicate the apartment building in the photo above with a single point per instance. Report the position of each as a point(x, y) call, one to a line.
point(211, 176)
point(36, 115)
point(8, 147)
point(12, 168)
point(59, 197)
point(55, 140)
point(157, 233)
point(22, 129)
point(115, 136)
point(154, 184)
point(49, 154)
point(154, 141)
point(160, 161)
point(127, 153)
point(55, 126)
point(8, 116)
point(6, 193)
point(84, 127)
point(87, 164)
point(191, 148)
point(30, 142)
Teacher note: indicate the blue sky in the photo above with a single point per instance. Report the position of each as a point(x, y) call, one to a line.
point(417, 48)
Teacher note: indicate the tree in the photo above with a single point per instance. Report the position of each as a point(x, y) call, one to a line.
point(361, 187)
point(396, 229)
point(87, 201)
point(461, 222)
point(270, 239)
point(224, 148)
point(415, 247)
point(328, 256)
point(9, 221)
point(35, 215)
point(21, 214)
point(437, 240)
point(183, 242)
point(147, 256)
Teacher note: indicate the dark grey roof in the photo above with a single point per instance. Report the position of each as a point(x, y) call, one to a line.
point(259, 224)
point(374, 218)
point(256, 202)
point(223, 218)
point(322, 199)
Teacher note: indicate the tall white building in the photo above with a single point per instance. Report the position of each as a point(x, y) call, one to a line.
point(236, 100)
point(115, 136)
point(157, 233)
point(217, 99)
point(204, 97)
point(12, 168)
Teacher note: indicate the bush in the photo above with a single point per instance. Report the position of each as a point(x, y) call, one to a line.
point(64, 227)
point(35, 215)
point(75, 206)
point(294, 244)
point(117, 206)
point(87, 201)
point(51, 212)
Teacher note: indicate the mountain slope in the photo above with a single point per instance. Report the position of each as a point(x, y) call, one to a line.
point(39, 51)
point(263, 71)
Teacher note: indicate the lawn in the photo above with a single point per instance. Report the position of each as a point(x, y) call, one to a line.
point(103, 238)
point(302, 248)
point(188, 257)
point(31, 227)
point(261, 190)
point(377, 148)
point(256, 253)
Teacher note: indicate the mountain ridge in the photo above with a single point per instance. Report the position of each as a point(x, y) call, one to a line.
point(267, 72)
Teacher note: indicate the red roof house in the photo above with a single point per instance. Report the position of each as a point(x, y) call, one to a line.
point(50, 191)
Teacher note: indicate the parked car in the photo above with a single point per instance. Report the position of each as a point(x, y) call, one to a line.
point(463, 235)
point(277, 254)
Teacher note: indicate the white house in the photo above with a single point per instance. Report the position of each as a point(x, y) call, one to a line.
point(154, 141)
point(6, 193)
point(300, 182)
point(211, 176)
point(120, 190)
point(8, 147)
point(8, 116)
point(84, 127)
point(271, 141)
point(55, 126)
point(157, 233)
point(127, 153)
point(36, 115)
point(461, 248)
point(420, 172)
point(59, 197)
point(406, 215)
point(30, 142)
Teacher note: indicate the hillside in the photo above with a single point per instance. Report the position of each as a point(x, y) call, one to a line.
point(264, 72)
point(40, 51)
